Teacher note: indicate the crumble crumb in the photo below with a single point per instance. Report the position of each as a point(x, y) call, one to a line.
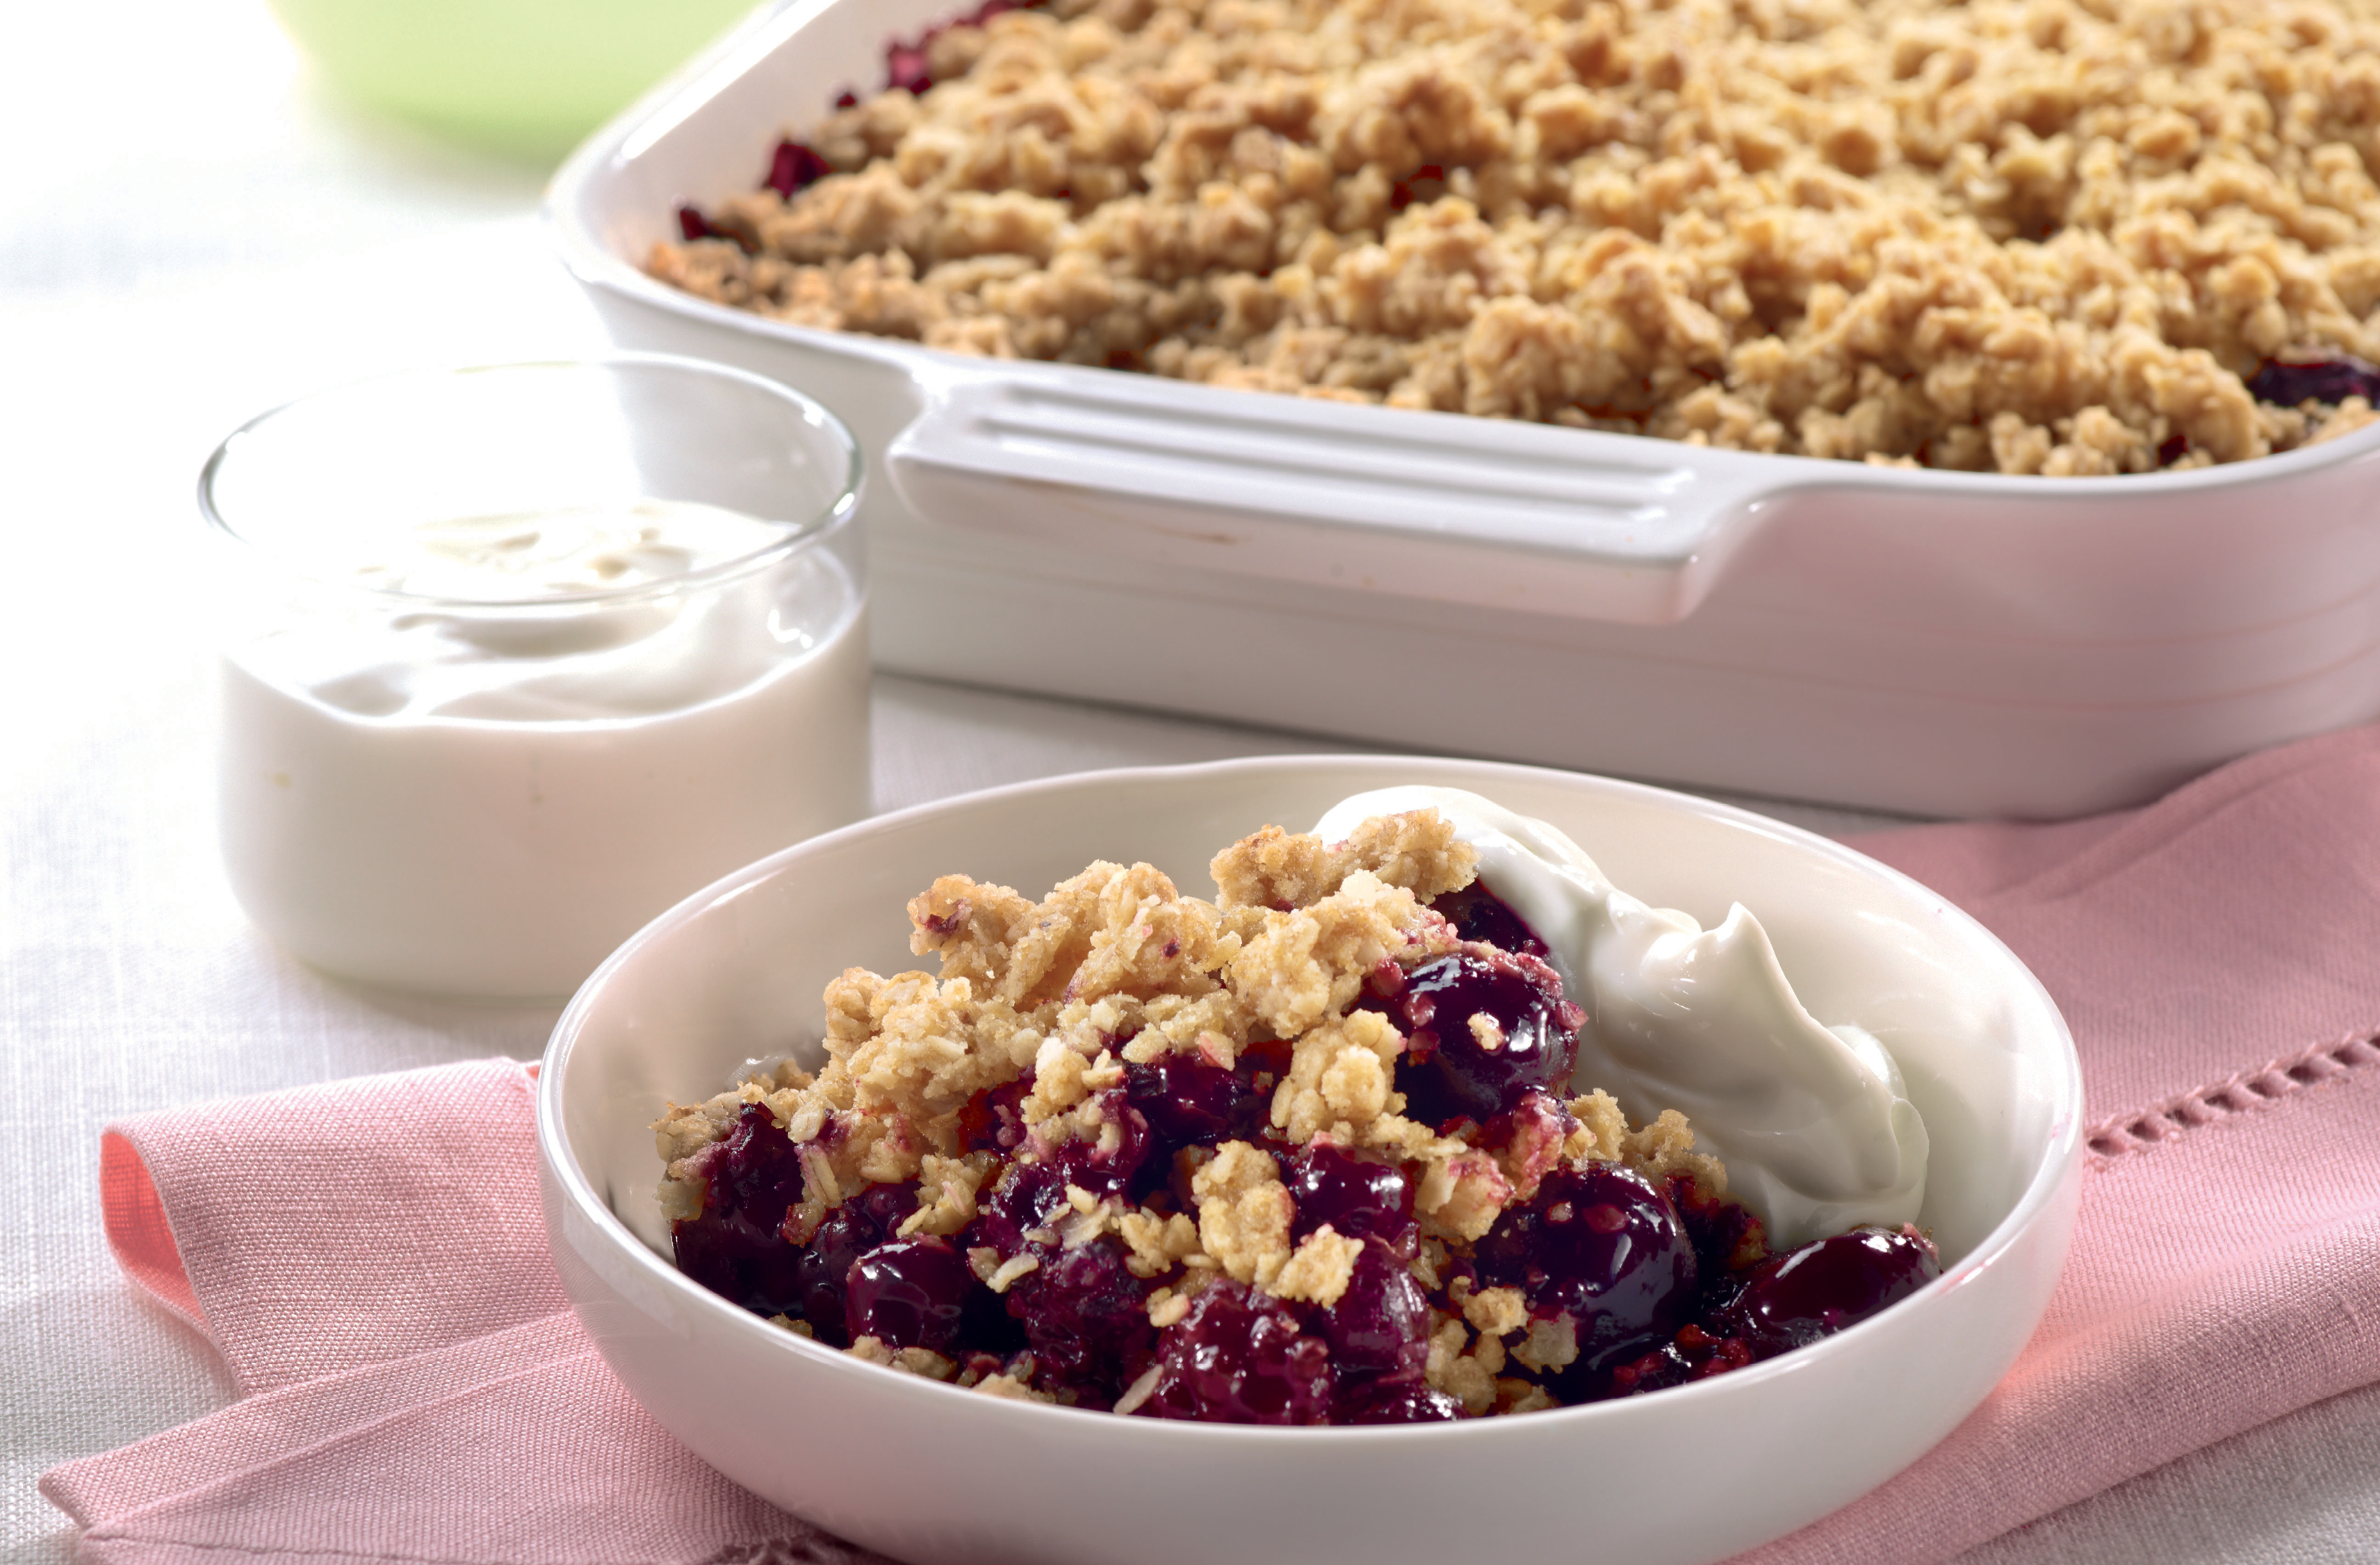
point(1600, 1130)
point(1244, 1213)
point(1166, 1308)
point(1010, 1388)
point(1461, 1195)
point(1516, 1396)
point(1320, 1269)
point(1339, 1079)
point(1495, 1311)
point(947, 1193)
point(1667, 1146)
point(1157, 1244)
point(1551, 1344)
point(922, 1362)
point(1309, 963)
point(1138, 1392)
point(1417, 850)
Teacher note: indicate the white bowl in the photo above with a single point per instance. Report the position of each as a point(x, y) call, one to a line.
point(931, 1474)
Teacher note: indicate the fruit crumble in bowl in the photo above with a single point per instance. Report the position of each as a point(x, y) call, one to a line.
point(1420, 1134)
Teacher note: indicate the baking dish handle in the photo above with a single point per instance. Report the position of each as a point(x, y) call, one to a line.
point(1490, 512)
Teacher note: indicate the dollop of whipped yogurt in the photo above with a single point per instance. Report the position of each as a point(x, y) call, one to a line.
point(1813, 1121)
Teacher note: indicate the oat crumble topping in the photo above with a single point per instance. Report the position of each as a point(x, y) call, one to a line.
point(2053, 237)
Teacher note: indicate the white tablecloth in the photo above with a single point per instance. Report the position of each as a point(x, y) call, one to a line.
point(189, 232)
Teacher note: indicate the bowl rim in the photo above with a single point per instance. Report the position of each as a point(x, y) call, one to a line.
point(831, 520)
point(2052, 1167)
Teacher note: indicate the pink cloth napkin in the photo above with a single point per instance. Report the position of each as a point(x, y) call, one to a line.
point(369, 1258)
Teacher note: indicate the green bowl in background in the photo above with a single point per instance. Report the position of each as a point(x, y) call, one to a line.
point(524, 78)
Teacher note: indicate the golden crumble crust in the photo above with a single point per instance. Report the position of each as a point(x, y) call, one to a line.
point(1278, 869)
point(1243, 1212)
point(1339, 1079)
point(1309, 963)
point(2017, 236)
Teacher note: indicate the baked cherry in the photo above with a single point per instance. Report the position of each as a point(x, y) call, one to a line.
point(1356, 1196)
point(908, 1293)
point(1085, 1318)
point(994, 1121)
point(796, 167)
point(849, 1232)
point(1478, 914)
point(1481, 1030)
point(1025, 1196)
point(1241, 1357)
point(1791, 1301)
point(1603, 1246)
point(1104, 1163)
point(2285, 385)
point(734, 1248)
point(1378, 1330)
point(1188, 1102)
point(1405, 1401)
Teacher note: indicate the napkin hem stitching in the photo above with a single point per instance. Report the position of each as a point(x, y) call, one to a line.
point(2276, 1082)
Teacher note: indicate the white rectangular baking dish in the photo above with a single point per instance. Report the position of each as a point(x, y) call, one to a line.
point(1935, 642)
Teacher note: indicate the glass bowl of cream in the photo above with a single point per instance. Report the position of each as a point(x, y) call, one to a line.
point(519, 656)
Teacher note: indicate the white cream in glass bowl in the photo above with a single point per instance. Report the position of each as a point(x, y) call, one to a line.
point(519, 656)
point(928, 1473)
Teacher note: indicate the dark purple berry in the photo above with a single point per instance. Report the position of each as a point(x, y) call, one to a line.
point(796, 167)
point(994, 1121)
point(1791, 1301)
point(1450, 1071)
point(2285, 385)
point(736, 1248)
point(1379, 1328)
point(1025, 1196)
point(1188, 1102)
point(1602, 1245)
point(692, 225)
point(1104, 1163)
point(1478, 914)
point(1085, 1318)
point(1240, 1357)
point(1406, 1401)
point(1691, 1354)
point(908, 1293)
point(849, 1232)
point(1356, 1196)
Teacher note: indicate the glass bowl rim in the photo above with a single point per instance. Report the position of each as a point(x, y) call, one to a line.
point(798, 536)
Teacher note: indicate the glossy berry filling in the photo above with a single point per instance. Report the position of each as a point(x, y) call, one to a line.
point(1791, 1301)
point(907, 1293)
point(1477, 913)
point(736, 1248)
point(1353, 1196)
point(2287, 384)
point(1481, 1030)
point(1603, 1247)
point(1378, 1330)
point(1241, 1357)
